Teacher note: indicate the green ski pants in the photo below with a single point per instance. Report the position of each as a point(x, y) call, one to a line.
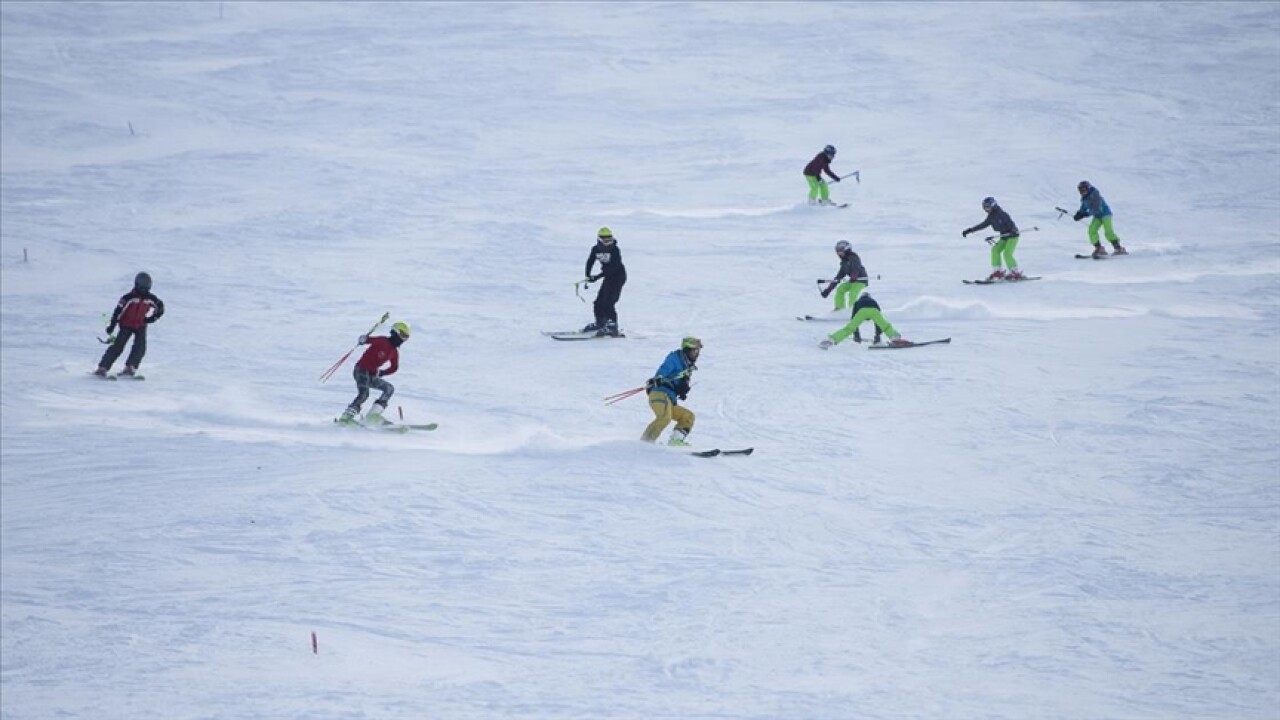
point(1105, 224)
point(847, 293)
point(1003, 248)
point(817, 188)
point(863, 315)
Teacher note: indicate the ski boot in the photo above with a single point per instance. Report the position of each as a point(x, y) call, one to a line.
point(374, 416)
point(590, 328)
point(100, 372)
point(899, 341)
point(1099, 251)
point(679, 438)
point(826, 344)
point(1015, 274)
point(129, 371)
point(996, 274)
point(1118, 249)
point(857, 337)
point(348, 417)
point(610, 329)
point(877, 339)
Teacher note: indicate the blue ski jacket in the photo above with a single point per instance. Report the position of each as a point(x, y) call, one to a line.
point(1093, 204)
point(672, 377)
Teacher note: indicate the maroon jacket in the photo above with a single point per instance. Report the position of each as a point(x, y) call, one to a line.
point(818, 165)
point(133, 310)
point(380, 351)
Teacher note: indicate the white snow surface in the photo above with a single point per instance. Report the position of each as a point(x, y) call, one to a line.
point(1071, 511)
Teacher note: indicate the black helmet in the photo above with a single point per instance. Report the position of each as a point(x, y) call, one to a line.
point(142, 281)
point(843, 247)
point(988, 203)
point(1084, 187)
point(829, 150)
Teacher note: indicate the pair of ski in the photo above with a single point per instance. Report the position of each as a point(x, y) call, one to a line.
point(569, 335)
point(1100, 257)
point(721, 453)
point(878, 346)
point(1001, 281)
point(386, 425)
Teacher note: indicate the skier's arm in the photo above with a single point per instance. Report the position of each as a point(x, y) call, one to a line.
point(591, 261)
point(1084, 209)
point(159, 310)
point(826, 167)
point(395, 365)
point(115, 314)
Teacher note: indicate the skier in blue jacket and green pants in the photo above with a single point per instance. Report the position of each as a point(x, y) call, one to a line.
point(1093, 205)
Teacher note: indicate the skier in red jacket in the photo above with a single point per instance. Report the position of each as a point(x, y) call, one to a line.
point(133, 313)
point(369, 373)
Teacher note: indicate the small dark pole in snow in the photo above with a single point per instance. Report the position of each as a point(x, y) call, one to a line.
point(24, 254)
point(131, 132)
point(315, 645)
point(219, 11)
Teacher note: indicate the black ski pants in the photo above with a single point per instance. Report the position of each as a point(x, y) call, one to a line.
point(122, 338)
point(607, 299)
point(366, 380)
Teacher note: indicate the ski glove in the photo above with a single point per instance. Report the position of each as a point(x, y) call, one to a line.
point(1078, 215)
point(362, 339)
point(965, 233)
point(596, 277)
point(830, 287)
point(111, 330)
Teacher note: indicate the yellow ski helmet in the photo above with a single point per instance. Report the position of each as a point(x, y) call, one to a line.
point(605, 233)
point(401, 329)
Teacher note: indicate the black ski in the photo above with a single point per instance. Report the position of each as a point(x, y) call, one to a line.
point(891, 346)
point(822, 319)
point(1100, 257)
point(717, 452)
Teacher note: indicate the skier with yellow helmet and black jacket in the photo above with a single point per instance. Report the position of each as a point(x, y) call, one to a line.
point(614, 273)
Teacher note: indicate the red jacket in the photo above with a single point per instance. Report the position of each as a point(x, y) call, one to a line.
point(818, 165)
point(135, 310)
point(380, 351)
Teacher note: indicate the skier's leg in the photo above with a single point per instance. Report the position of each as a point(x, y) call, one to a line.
point(995, 254)
point(387, 389)
point(813, 188)
point(661, 406)
point(362, 378)
point(139, 348)
point(1008, 245)
point(859, 317)
point(847, 292)
point(1110, 231)
point(823, 190)
point(1093, 231)
point(884, 326)
point(684, 419)
point(113, 353)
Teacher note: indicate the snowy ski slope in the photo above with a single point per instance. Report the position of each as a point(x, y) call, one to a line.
point(1071, 511)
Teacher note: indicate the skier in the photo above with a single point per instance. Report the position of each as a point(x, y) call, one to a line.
point(850, 268)
point(813, 175)
point(666, 387)
point(1092, 204)
point(999, 220)
point(369, 373)
point(865, 309)
point(133, 313)
point(606, 252)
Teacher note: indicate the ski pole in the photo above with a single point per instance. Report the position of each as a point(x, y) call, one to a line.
point(991, 239)
point(334, 368)
point(623, 395)
point(577, 288)
point(1061, 212)
point(110, 338)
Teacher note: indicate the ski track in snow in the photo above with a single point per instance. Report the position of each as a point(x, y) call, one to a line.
point(1068, 512)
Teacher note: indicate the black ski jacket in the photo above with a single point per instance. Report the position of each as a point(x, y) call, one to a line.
point(610, 259)
point(998, 220)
